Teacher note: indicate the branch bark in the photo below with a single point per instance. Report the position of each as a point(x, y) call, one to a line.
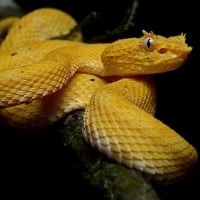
point(108, 179)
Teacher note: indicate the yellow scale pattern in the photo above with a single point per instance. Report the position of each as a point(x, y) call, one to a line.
point(127, 134)
point(42, 80)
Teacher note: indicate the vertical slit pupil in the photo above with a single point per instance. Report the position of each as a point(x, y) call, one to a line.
point(148, 43)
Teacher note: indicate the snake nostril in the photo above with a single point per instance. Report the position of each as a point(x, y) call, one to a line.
point(162, 50)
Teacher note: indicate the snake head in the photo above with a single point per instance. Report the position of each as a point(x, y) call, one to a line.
point(148, 54)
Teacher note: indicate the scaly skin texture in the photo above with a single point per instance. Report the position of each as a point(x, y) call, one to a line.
point(6, 24)
point(31, 28)
point(134, 138)
point(42, 80)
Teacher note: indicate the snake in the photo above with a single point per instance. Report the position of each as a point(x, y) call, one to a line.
point(43, 78)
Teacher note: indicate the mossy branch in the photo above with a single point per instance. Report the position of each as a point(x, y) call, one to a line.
point(109, 179)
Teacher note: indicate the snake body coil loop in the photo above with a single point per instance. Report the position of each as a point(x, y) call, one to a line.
point(42, 80)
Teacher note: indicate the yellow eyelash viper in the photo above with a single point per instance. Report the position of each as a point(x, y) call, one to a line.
point(42, 80)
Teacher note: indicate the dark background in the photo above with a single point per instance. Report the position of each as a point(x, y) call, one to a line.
point(178, 99)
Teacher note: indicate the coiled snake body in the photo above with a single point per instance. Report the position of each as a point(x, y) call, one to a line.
point(43, 79)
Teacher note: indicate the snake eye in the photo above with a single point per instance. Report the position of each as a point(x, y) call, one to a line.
point(149, 44)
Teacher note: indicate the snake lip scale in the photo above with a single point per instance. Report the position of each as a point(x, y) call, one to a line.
point(43, 79)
